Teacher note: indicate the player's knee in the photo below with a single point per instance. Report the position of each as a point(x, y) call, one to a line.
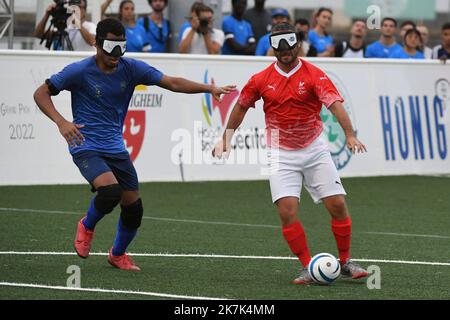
point(131, 215)
point(338, 207)
point(108, 197)
point(287, 207)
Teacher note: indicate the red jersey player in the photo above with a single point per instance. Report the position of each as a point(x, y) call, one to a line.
point(294, 91)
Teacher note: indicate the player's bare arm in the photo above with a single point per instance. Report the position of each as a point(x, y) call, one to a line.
point(186, 86)
point(87, 36)
point(236, 117)
point(337, 109)
point(68, 130)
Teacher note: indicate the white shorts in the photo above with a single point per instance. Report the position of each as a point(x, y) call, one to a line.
point(311, 166)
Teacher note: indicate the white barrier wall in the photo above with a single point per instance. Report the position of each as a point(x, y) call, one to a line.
point(399, 109)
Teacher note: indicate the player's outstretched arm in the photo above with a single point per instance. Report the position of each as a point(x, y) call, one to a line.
point(186, 86)
point(68, 130)
point(236, 117)
point(337, 109)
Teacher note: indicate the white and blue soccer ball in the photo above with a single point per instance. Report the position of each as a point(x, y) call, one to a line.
point(324, 268)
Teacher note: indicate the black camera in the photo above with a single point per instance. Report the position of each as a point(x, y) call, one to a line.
point(60, 13)
point(59, 37)
point(204, 23)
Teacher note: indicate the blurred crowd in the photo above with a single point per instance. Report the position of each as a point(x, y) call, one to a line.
point(246, 32)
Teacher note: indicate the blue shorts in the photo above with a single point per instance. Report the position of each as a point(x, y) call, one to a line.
point(93, 163)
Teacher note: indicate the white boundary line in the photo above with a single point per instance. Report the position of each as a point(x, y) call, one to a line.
point(150, 218)
point(227, 223)
point(141, 293)
point(407, 234)
point(217, 256)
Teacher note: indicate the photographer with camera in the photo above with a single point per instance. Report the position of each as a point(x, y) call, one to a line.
point(201, 37)
point(67, 31)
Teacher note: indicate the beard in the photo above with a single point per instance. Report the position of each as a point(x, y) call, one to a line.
point(287, 57)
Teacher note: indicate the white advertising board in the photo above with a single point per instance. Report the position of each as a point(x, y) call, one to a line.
point(399, 109)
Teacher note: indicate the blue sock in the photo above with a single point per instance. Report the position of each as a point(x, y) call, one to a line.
point(93, 216)
point(124, 237)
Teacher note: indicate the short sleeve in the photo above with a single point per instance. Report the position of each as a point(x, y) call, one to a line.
point(339, 51)
point(227, 27)
point(325, 90)
point(251, 35)
point(262, 47)
point(65, 79)
point(181, 31)
point(91, 28)
point(185, 33)
point(145, 74)
point(249, 94)
point(369, 51)
point(218, 37)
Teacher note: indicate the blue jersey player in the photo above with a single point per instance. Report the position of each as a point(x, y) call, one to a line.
point(101, 87)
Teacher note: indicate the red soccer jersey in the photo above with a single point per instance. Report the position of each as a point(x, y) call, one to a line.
point(292, 103)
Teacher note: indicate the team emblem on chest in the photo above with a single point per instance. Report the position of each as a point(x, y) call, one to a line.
point(98, 91)
point(123, 86)
point(301, 87)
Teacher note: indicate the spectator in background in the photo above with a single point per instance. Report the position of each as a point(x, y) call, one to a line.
point(187, 23)
point(201, 37)
point(425, 34)
point(259, 18)
point(239, 37)
point(319, 36)
point(355, 47)
point(405, 26)
point(158, 29)
point(386, 45)
point(302, 28)
point(104, 6)
point(135, 34)
point(82, 37)
point(412, 41)
point(442, 51)
point(278, 16)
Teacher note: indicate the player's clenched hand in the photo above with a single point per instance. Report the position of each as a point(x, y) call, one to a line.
point(355, 145)
point(220, 150)
point(218, 91)
point(70, 132)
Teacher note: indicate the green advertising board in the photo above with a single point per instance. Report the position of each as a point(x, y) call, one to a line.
point(401, 9)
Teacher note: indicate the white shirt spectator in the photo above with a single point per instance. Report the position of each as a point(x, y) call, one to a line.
point(428, 53)
point(78, 42)
point(198, 45)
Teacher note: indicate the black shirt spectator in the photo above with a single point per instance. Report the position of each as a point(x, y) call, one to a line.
point(355, 47)
point(307, 49)
point(260, 19)
point(239, 37)
point(442, 51)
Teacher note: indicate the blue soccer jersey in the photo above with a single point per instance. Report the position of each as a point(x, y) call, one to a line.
point(240, 30)
point(378, 50)
point(100, 101)
point(402, 54)
point(157, 37)
point(263, 45)
point(136, 38)
point(320, 42)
